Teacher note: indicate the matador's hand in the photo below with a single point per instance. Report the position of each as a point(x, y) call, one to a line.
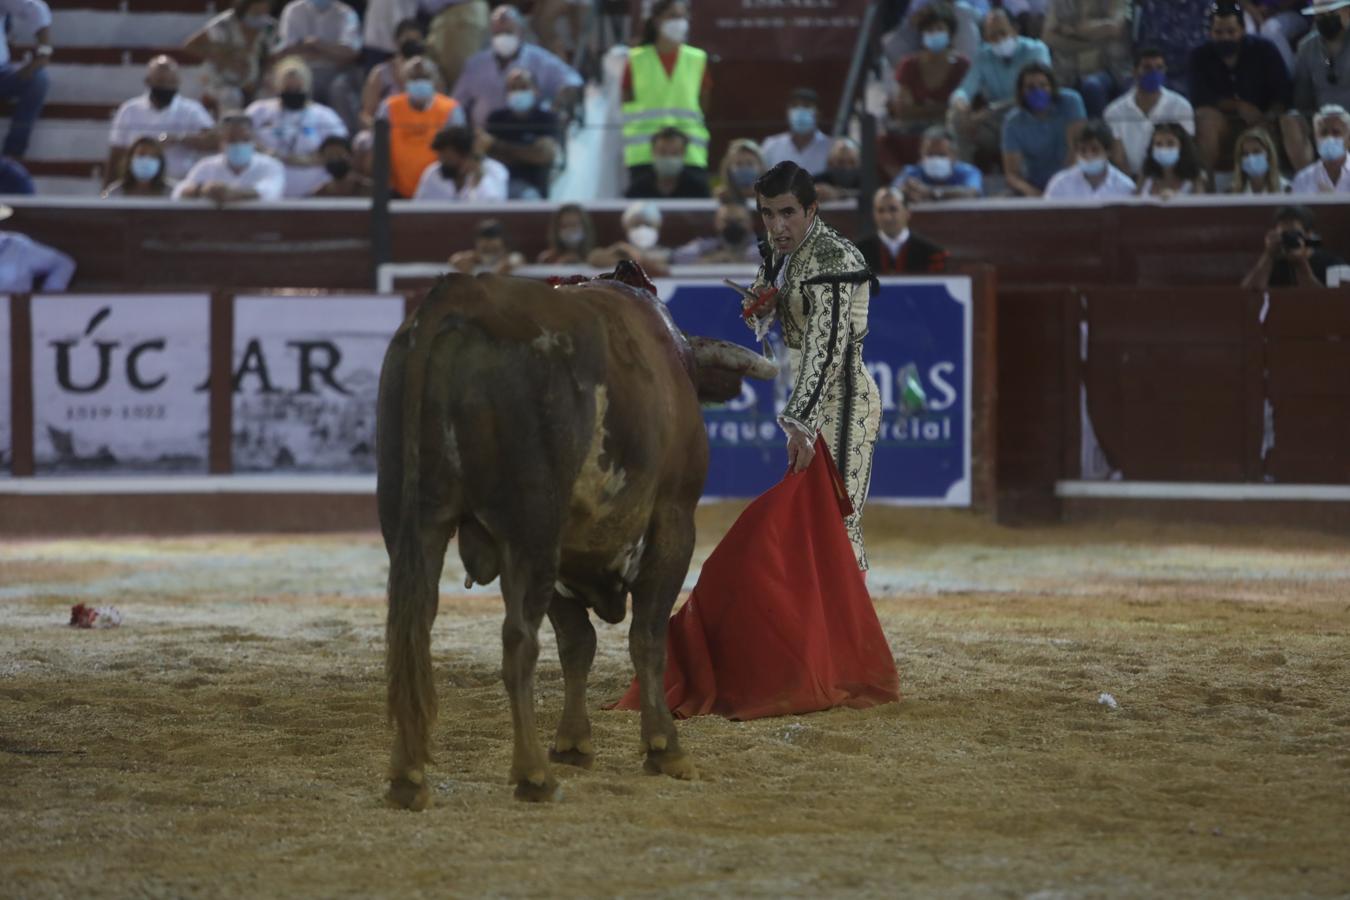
point(800, 451)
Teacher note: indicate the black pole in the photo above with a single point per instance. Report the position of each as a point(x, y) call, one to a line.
point(380, 242)
point(868, 182)
point(862, 57)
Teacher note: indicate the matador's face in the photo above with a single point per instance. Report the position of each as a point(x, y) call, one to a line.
point(785, 222)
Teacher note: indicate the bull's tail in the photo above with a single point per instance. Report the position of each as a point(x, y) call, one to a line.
point(412, 588)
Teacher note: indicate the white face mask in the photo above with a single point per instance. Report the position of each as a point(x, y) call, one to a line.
point(642, 237)
point(675, 30)
point(1006, 47)
point(505, 45)
point(938, 168)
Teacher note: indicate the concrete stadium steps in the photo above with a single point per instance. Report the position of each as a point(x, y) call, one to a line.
point(96, 28)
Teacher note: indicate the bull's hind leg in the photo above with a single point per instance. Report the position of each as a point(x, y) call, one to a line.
point(413, 600)
point(576, 651)
point(670, 544)
point(527, 589)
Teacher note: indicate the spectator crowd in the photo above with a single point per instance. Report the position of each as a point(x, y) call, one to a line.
point(1063, 99)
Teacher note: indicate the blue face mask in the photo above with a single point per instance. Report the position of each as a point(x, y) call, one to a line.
point(322, 4)
point(936, 41)
point(421, 89)
point(1092, 167)
point(239, 154)
point(802, 119)
point(1037, 99)
point(1152, 81)
point(144, 168)
point(744, 176)
point(1255, 165)
point(1331, 148)
point(520, 101)
point(1166, 156)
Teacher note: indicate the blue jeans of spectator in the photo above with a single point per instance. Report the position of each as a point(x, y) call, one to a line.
point(28, 94)
point(1098, 89)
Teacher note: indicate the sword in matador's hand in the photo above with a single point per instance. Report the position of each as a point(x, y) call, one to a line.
point(752, 304)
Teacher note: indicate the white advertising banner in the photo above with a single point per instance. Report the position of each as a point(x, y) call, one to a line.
point(119, 383)
point(306, 375)
point(6, 411)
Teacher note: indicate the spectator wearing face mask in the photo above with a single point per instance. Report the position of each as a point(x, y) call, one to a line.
point(642, 232)
point(1328, 175)
point(571, 236)
point(740, 168)
point(1172, 166)
point(181, 123)
point(524, 135)
point(1238, 81)
point(987, 95)
point(1091, 175)
point(907, 39)
point(894, 249)
point(238, 173)
point(939, 175)
point(382, 34)
point(233, 45)
point(462, 172)
point(1037, 137)
point(925, 80)
point(142, 172)
point(343, 178)
point(490, 255)
point(291, 126)
point(803, 143)
point(1292, 255)
point(386, 79)
point(1256, 168)
point(843, 171)
point(670, 177)
point(482, 86)
point(666, 85)
point(1321, 75)
point(416, 116)
point(326, 35)
point(1133, 115)
point(1176, 27)
point(733, 240)
point(27, 266)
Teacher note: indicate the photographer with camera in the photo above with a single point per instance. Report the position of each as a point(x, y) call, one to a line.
point(1293, 255)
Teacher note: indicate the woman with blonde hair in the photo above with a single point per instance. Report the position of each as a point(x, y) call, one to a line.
point(1256, 165)
point(742, 164)
point(571, 236)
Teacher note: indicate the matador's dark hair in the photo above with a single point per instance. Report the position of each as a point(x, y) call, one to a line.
point(787, 178)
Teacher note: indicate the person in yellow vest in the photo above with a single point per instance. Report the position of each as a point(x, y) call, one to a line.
point(415, 116)
point(666, 85)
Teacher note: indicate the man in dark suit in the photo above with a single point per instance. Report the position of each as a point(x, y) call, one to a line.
point(894, 249)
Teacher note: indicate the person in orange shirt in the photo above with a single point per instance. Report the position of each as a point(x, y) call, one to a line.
point(415, 116)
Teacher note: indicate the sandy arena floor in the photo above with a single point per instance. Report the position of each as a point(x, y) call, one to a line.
point(229, 738)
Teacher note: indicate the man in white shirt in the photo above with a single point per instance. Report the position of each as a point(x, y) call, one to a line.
point(803, 143)
point(1091, 177)
point(292, 127)
point(1133, 115)
point(24, 83)
point(238, 173)
point(26, 265)
point(182, 125)
point(326, 34)
point(463, 172)
point(1328, 175)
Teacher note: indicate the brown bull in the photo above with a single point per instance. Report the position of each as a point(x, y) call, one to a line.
point(558, 431)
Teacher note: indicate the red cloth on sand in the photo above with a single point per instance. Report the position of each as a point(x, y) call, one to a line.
point(780, 621)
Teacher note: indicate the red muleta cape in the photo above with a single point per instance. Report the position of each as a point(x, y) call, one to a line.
point(780, 621)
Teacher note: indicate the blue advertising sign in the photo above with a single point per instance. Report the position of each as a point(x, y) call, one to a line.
point(921, 459)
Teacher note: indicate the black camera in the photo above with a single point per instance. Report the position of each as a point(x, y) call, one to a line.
point(1294, 240)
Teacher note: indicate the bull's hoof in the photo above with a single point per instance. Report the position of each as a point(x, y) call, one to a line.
point(540, 788)
point(409, 795)
point(664, 762)
point(573, 757)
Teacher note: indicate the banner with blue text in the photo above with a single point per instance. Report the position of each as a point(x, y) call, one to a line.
point(921, 459)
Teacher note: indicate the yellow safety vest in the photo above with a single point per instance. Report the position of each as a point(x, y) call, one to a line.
point(661, 100)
